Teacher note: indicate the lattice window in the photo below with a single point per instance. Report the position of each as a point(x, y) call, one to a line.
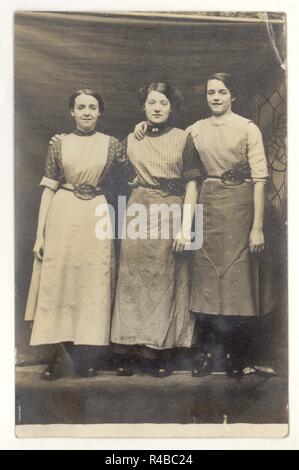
point(271, 113)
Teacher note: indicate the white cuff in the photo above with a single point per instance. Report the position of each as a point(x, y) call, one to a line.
point(260, 180)
point(49, 183)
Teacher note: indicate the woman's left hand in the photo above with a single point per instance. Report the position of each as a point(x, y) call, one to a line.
point(181, 243)
point(256, 241)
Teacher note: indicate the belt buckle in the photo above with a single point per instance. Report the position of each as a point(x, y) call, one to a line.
point(170, 185)
point(233, 177)
point(85, 191)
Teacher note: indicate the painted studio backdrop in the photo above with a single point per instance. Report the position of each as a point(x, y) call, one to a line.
point(58, 53)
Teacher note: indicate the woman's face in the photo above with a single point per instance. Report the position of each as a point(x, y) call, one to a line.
point(219, 97)
point(86, 112)
point(157, 107)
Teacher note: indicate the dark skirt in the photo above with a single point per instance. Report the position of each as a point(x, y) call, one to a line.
point(227, 278)
point(153, 289)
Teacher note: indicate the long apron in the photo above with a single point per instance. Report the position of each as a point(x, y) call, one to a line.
point(70, 296)
point(71, 291)
point(153, 289)
point(227, 278)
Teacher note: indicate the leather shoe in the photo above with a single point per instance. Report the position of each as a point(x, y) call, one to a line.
point(161, 372)
point(124, 371)
point(204, 366)
point(86, 373)
point(54, 371)
point(233, 368)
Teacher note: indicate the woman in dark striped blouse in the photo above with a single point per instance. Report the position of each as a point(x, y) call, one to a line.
point(151, 313)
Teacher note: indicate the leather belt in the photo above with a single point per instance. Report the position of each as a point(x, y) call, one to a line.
point(83, 191)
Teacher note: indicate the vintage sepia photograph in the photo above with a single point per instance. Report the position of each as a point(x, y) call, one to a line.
point(150, 165)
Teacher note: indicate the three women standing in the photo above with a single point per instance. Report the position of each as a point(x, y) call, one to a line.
point(230, 282)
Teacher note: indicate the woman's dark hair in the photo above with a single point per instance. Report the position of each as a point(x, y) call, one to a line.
point(86, 91)
point(172, 94)
point(228, 81)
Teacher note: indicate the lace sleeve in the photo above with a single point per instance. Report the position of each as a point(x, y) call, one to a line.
point(53, 174)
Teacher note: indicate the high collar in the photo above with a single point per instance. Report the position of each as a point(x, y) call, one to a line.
point(84, 134)
point(154, 130)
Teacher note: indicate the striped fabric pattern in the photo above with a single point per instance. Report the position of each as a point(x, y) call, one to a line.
point(158, 157)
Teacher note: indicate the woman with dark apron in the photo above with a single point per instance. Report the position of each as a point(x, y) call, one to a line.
point(231, 284)
point(151, 313)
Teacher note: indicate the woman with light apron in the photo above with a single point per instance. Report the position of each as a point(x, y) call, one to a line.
point(72, 286)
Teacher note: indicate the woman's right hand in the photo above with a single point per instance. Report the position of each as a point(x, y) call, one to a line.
point(38, 248)
point(140, 130)
point(56, 138)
